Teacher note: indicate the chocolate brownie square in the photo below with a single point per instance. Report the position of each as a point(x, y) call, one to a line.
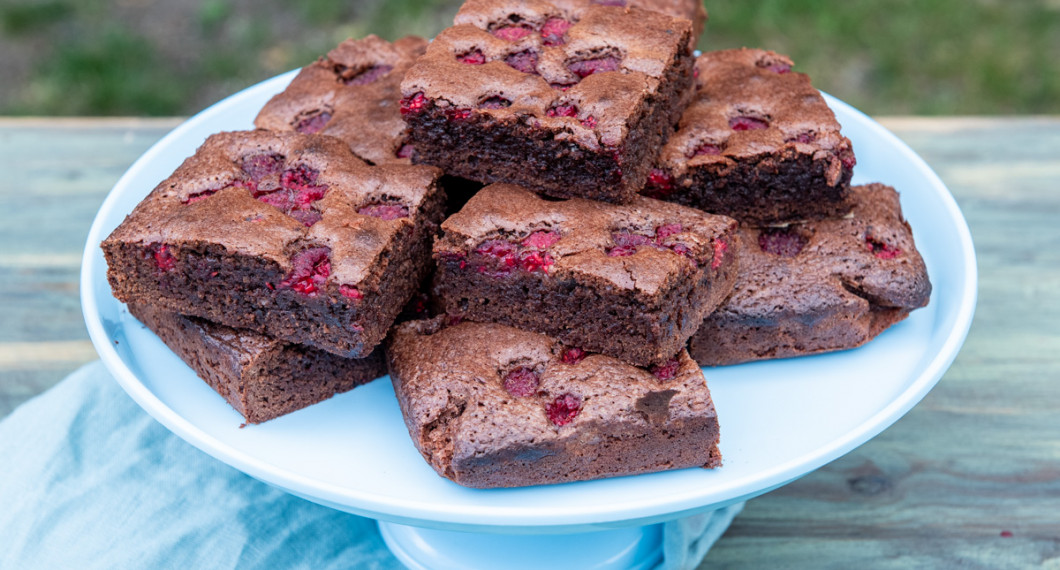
point(492, 406)
point(567, 98)
point(630, 281)
point(758, 143)
point(818, 286)
point(261, 377)
point(284, 234)
point(353, 93)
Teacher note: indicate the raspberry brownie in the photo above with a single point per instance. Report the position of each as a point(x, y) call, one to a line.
point(818, 286)
point(262, 378)
point(284, 234)
point(630, 281)
point(566, 97)
point(758, 143)
point(492, 406)
point(353, 94)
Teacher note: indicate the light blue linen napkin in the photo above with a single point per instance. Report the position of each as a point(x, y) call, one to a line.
point(88, 480)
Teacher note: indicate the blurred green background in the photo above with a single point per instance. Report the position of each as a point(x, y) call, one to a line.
point(174, 57)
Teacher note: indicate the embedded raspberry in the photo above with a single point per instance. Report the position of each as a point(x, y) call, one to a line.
point(881, 249)
point(707, 149)
point(587, 67)
point(626, 243)
point(500, 250)
point(351, 292)
point(453, 256)
point(622, 251)
point(296, 195)
point(495, 103)
point(278, 198)
point(521, 382)
point(258, 166)
point(540, 239)
point(846, 156)
point(666, 230)
point(562, 111)
point(385, 210)
point(720, 246)
point(366, 76)
point(457, 114)
point(313, 123)
point(512, 33)
point(660, 184)
point(475, 57)
point(665, 371)
point(804, 137)
point(563, 409)
point(300, 176)
point(745, 123)
point(310, 269)
point(164, 259)
point(405, 151)
point(782, 241)
point(535, 261)
point(573, 355)
point(589, 122)
point(525, 61)
point(413, 103)
point(307, 217)
point(554, 30)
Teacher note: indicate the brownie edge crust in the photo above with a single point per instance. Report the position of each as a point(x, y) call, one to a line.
point(492, 406)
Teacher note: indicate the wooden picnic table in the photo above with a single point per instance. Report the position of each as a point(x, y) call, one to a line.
point(969, 478)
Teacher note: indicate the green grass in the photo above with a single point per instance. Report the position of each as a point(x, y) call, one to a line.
point(885, 57)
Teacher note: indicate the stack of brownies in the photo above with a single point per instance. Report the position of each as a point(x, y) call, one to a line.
point(645, 212)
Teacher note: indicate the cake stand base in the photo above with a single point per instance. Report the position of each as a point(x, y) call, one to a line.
point(418, 548)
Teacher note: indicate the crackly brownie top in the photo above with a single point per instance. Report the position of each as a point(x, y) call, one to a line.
point(286, 197)
point(568, 65)
point(869, 253)
point(498, 386)
point(643, 246)
point(354, 94)
point(749, 103)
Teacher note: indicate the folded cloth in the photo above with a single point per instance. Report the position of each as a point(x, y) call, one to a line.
point(88, 480)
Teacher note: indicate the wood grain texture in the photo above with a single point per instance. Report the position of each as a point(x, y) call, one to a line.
point(979, 457)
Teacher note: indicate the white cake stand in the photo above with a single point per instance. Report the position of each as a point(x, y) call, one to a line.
point(780, 419)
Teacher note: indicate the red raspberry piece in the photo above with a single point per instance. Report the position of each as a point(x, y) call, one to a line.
point(164, 259)
point(457, 114)
point(521, 382)
point(589, 122)
point(554, 30)
point(587, 67)
point(563, 409)
point(351, 292)
point(405, 151)
point(369, 75)
point(495, 103)
point(846, 156)
point(310, 269)
point(666, 230)
point(626, 243)
point(500, 250)
point(573, 355)
point(512, 33)
point(782, 241)
point(525, 61)
point(475, 57)
point(660, 184)
point(540, 239)
point(707, 149)
point(535, 261)
point(881, 249)
point(665, 371)
point(562, 111)
point(258, 166)
point(385, 211)
point(413, 103)
point(744, 123)
point(278, 198)
point(313, 123)
point(804, 137)
point(720, 246)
